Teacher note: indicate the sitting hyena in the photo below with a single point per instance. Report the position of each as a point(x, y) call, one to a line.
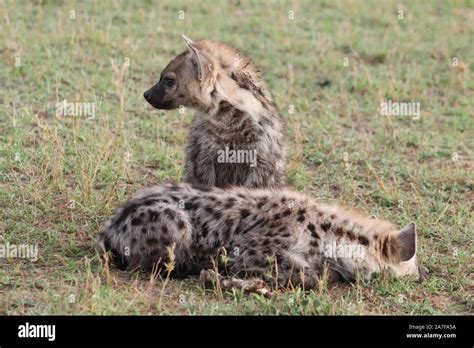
point(259, 231)
point(236, 136)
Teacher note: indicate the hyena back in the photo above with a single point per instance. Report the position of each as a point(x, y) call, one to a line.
point(235, 112)
point(259, 231)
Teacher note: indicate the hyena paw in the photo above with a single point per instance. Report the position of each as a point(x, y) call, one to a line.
point(210, 278)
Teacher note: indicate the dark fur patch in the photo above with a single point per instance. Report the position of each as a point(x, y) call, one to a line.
point(224, 107)
point(149, 202)
point(204, 230)
point(257, 223)
point(152, 241)
point(312, 229)
point(338, 231)
point(137, 221)
point(129, 209)
point(230, 202)
point(211, 211)
point(174, 198)
point(153, 216)
point(385, 248)
point(244, 213)
point(350, 235)
point(238, 229)
point(213, 93)
point(171, 214)
point(238, 114)
point(191, 205)
point(274, 224)
point(286, 213)
point(363, 240)
point(326, 226)
point(181, 224)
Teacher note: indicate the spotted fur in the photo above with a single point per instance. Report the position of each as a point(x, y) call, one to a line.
point(260, 232)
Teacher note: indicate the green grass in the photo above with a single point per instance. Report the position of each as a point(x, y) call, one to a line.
point(397, 168)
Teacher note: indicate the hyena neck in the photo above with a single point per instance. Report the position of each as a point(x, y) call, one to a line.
point(234, 80)
point(351, 226)
point(356, 235)
point(226, 96)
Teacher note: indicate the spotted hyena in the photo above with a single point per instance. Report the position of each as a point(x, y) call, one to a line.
point(236, 135)
point(259, 232)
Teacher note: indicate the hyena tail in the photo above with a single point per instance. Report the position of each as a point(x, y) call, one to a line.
point(147, 235)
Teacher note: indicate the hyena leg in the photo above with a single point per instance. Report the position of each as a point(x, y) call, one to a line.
point(146, 236)
point(209, 278)
point(278, 271)
point(294, 273)
point(240, 266)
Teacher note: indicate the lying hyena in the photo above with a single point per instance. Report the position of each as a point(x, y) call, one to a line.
point(259, 231)
point(236, 136)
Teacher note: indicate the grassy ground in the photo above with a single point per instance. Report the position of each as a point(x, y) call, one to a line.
point(60, 178)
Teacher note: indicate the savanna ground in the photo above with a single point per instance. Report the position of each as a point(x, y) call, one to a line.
point(61, 177)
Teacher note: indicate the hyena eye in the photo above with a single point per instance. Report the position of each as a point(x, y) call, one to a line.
point(169, 82)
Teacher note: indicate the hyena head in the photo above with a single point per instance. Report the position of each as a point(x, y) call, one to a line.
point(183, 80)
point(393, 251)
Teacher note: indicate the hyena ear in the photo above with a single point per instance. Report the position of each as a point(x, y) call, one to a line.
point(197, 59)
point(404, 244)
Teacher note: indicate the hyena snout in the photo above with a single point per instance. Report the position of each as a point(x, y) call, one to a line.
point(157, 97)
point(147, 95)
